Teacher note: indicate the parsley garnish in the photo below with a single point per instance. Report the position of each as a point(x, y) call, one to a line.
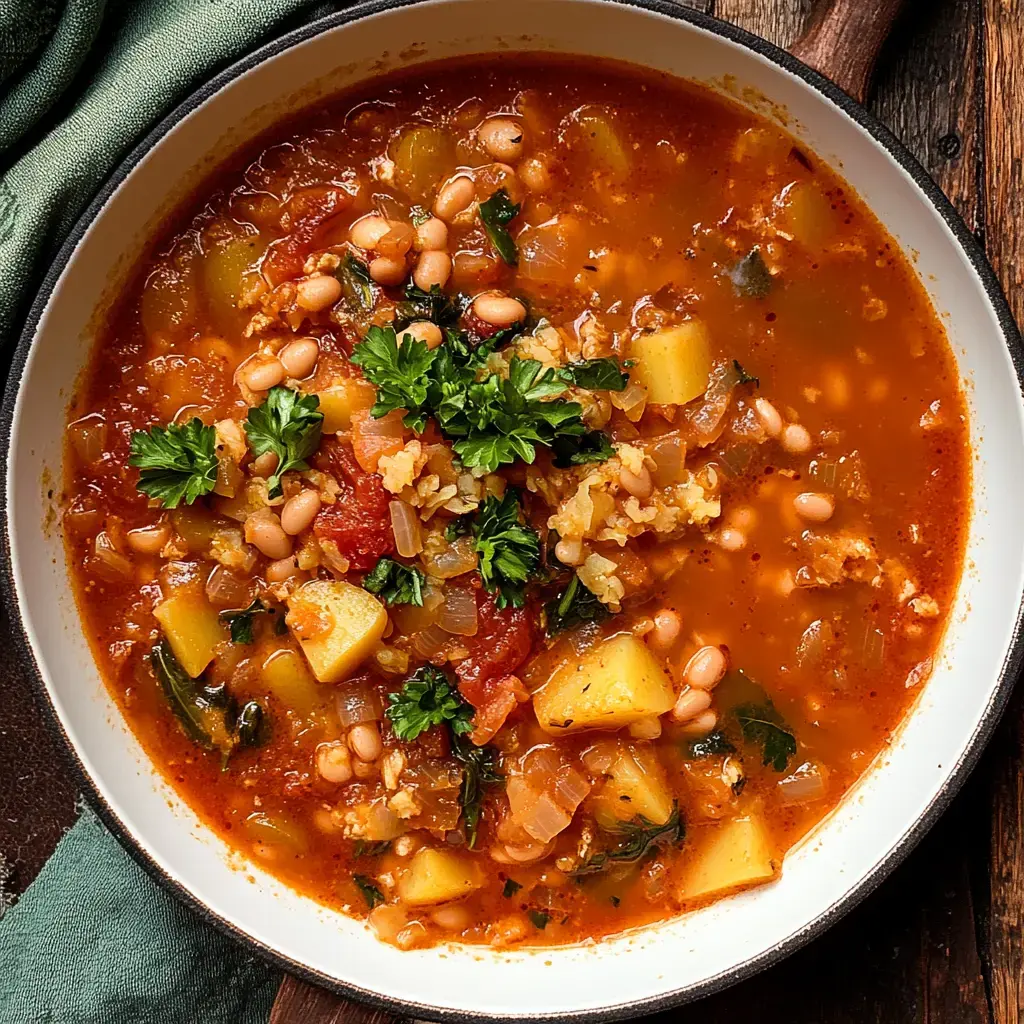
point(638, 838)
point(252, 725)
point(373, 896)
point(597, 375)
point(750, 277)
point(419, 216)
point(511, 888)
point(574, 607)
point(396, 583)
point(495, 215)
point(761, 723)
point(479, 770)
point(743, 376)
point(539, 918)
point(240, 621)
point(426, 699)
point(433, 305)
point(509, 550)
point(710, 745)
point(399, 371)
point(287, 424)
point(593, 446)
point(356, 283)
point(178, 463)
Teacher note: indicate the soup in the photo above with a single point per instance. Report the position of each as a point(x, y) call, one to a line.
point(517, 499)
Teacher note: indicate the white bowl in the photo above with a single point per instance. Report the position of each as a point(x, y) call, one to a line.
point(878, 821)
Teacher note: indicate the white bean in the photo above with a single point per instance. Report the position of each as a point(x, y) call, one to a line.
point(815, 508)
point(333, 762)
point(423, 330)
point(262, 374)
point(454, 197)
point(433, 267)
point(795, 438)
point(299, 357)
point(432, 236)
point(499, 310)
point(689, 704)
point(387, 271)
point(299, 511)
point(366, 233)
point(317, 293)
point(364, 741)
point(769, 417)
point(263, 529)
point(502, 138)
point(705, 669)
point(667, 626)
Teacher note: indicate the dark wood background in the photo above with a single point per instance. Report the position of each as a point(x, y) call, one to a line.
point(941, 941)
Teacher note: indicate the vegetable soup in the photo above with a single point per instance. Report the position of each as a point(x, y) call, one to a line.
point(515, 500)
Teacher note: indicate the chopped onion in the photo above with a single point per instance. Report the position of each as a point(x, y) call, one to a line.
point(570, 788)
point(872, 651)
point(358, 702)
point(430, 641)
point(406, 525)
point(453, 560)
point(381, 822)
point(551, 253)
point(669, 454)
point(458, 615)
point(632, 400)
point(814, 643)
point(536, 813)
point(804, 786)
point(441, 463)
point(412, 618)
point(88, 438)
point(226, 590)
point(109, 562)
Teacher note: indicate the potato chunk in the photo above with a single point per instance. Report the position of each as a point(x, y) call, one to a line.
point(340, 401)
point(734, 855)
point(673, 364)
point(286, 675)
point(437, 876)
point(192, 627)
point(614, 683)
point(337, 625)
point(634, 784)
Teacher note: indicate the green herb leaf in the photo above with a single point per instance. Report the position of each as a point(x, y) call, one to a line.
point(252, 725)
point(178, 463)
point(509, 550)
point(763, 725)
point(479, 772)
point(434, 305)
point(373, 896)
point(419, 216)
point(240, 621)
point(511, 888)
point(427, 698)
point(364, 848)
point(399, 371)
point(287, 424)
point(713, 744)
point(574, 607)
point(396, 583)
point(357, 286)
point(638, 838)
point(750, 277)
point(495, 214)
point(539, 918)
point(593, 446)
point(743, 377)
point(597, 375)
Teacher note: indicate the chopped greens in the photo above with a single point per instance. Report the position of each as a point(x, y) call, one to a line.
point(750, 277)
point(356, 284)
point(287, 424)
point(369, 891)
point(399, 371)
point(479, 771)
point(511, 888)
point(637, 838)
point(364, 848)
point(419, 216)
point(709, 746)
point(240, 622)
point(762, 724)
point(495, 215)
point(539, 918)
point(574, 607)
point(743, 376)
point(597, 375)
point(252, 725)
point(178, 462)
point(426, 699)
point(509, 550)
point(433, 305)
point(396, 583)
point(593, 446)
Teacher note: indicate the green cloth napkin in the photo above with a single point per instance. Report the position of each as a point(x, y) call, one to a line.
point(94, 940)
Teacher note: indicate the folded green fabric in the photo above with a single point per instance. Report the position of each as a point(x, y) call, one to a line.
point(94, 940)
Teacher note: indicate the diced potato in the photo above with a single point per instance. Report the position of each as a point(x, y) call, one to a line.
point(424, 157)
point(602, 145)
point(634, 785)
point(225, 269)
point(287, 676)
point(735, 854)
point(196, 527)
point(613, 684)
point(437, 876)
point(339, 401)
point(673, 364)
point(803, 211)
point(192, 627)
point(337, 625)
point(277, 830)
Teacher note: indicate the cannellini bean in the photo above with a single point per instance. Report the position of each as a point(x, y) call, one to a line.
point(526, 854)
point(264, 465)
point(263, 374)
point(333, 762)
point(454, 197)
point(432, 268)
point(282, 570)
point(639, 484)
point(535, 175)
point(423, 330)
point(815, 508)
point(149, 540)
point(364, 741)
point(263, 529)
point(769, 417)
point(689, 704)
point(387, 271)
point(705, 669)
point(431, 236)
point(646, 728)
point(366, 233)
point(667, 626)
point(569, 552)
point(299, 357)
point(499, 310)
point(700, 725)
point(317, 293)
point(732, 540)
point(795, 438)
point(299, 511)
point(502, 138)
point(451, 919)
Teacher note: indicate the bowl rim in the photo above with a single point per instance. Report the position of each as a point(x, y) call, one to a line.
point(25, 656)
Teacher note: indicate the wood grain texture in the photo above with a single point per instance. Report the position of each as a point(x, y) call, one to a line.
point(299, 1003)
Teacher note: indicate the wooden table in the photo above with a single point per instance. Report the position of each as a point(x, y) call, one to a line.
point(941, 941)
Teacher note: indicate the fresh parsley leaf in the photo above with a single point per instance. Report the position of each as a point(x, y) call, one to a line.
point(240, 621)
point(495, 215)
point(178, 462)
point(762, 724)
point(577, 450)
point(750, 277)
point(479, 771)
point(539, 918)
point(711, 745)
point(396, 583)
point(364, 848)
point(357, 286)
point(460, 526)
point(287, 424)
point(574, 607)
point(370, 892)
point(399, 371)
point(597, 375)
point(509, 550)
point(743, 377)
point(433, 305)
point(419, 216)
point(637, 838)
point(252, 725)
point(511, 888)
point(426, 699)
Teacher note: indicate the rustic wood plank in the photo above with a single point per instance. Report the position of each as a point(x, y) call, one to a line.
point(300, 1003)
point(779, 21)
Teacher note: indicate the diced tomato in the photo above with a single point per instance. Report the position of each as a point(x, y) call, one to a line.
point(308, 211)
point(358, 522)
point(502, 643)
point(500, 698)
point(374, 438)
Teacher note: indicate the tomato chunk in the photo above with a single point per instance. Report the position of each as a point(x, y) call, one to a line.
point(502, 643)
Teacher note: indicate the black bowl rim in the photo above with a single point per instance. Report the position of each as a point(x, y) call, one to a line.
point(653, 1004)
